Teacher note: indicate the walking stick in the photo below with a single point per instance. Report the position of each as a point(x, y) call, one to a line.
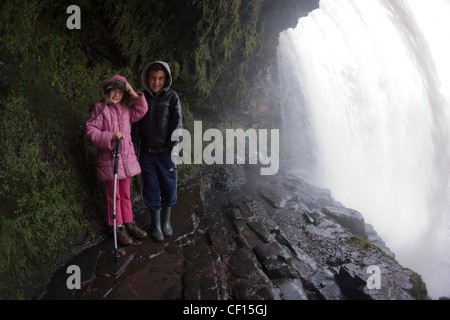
point(116, 166)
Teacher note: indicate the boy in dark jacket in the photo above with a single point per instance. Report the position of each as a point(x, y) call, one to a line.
point(152, 135)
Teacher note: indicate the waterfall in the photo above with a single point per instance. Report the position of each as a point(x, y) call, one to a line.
point(366, 114)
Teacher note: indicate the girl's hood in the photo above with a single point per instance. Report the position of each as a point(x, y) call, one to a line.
point(116, 81)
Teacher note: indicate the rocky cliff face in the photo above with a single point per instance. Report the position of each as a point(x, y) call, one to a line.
point(291, 240)
point(238, 235)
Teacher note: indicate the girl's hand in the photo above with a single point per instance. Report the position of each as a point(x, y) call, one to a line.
point(130, 90)
point(117, 136)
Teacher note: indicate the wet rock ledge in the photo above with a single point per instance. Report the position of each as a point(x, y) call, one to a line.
point(238, 235)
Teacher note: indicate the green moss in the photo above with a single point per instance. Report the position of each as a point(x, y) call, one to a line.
point(209, 46)
point(316, 218)
point(360, 244)
point(41, 218)
point(258, 205)
point(48, 192)
point(419, 290)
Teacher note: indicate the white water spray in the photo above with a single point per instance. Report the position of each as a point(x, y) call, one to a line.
point(367, 98)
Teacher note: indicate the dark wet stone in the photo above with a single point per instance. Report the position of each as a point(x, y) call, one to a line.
point(275, 260)
point(243, 266)
point(291, 289)
point(260, 230)
point(348, 218)
point(275, 194)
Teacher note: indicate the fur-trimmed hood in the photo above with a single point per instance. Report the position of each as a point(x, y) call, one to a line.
point(116, 81)
point(144, 79)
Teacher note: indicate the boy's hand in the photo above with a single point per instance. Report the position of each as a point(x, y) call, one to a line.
point(130, 90)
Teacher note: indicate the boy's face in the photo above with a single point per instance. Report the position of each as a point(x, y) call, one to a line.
point(156, 80)
point(115, 95)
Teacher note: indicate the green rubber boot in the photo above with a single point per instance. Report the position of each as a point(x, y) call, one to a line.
point(155, 228)
point(165, 224)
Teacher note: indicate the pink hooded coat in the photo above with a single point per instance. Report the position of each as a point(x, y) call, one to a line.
point(104, 123)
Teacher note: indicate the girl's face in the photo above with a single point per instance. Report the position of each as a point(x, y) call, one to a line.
point(156, 80)
point(115, 95)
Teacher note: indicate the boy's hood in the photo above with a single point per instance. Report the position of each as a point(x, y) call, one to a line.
point(144, 74)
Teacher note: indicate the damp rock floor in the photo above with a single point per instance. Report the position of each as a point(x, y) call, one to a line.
point(242, 236)
point(145, 270)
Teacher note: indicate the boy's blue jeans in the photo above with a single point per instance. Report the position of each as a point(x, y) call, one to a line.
point(159, 180)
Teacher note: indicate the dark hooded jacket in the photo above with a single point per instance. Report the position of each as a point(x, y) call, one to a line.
point(153, 132)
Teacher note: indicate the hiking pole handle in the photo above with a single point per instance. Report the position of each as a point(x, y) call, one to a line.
point(116, 156)
point(119, 141)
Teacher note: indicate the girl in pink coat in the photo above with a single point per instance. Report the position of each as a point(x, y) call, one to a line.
point(111, 120)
